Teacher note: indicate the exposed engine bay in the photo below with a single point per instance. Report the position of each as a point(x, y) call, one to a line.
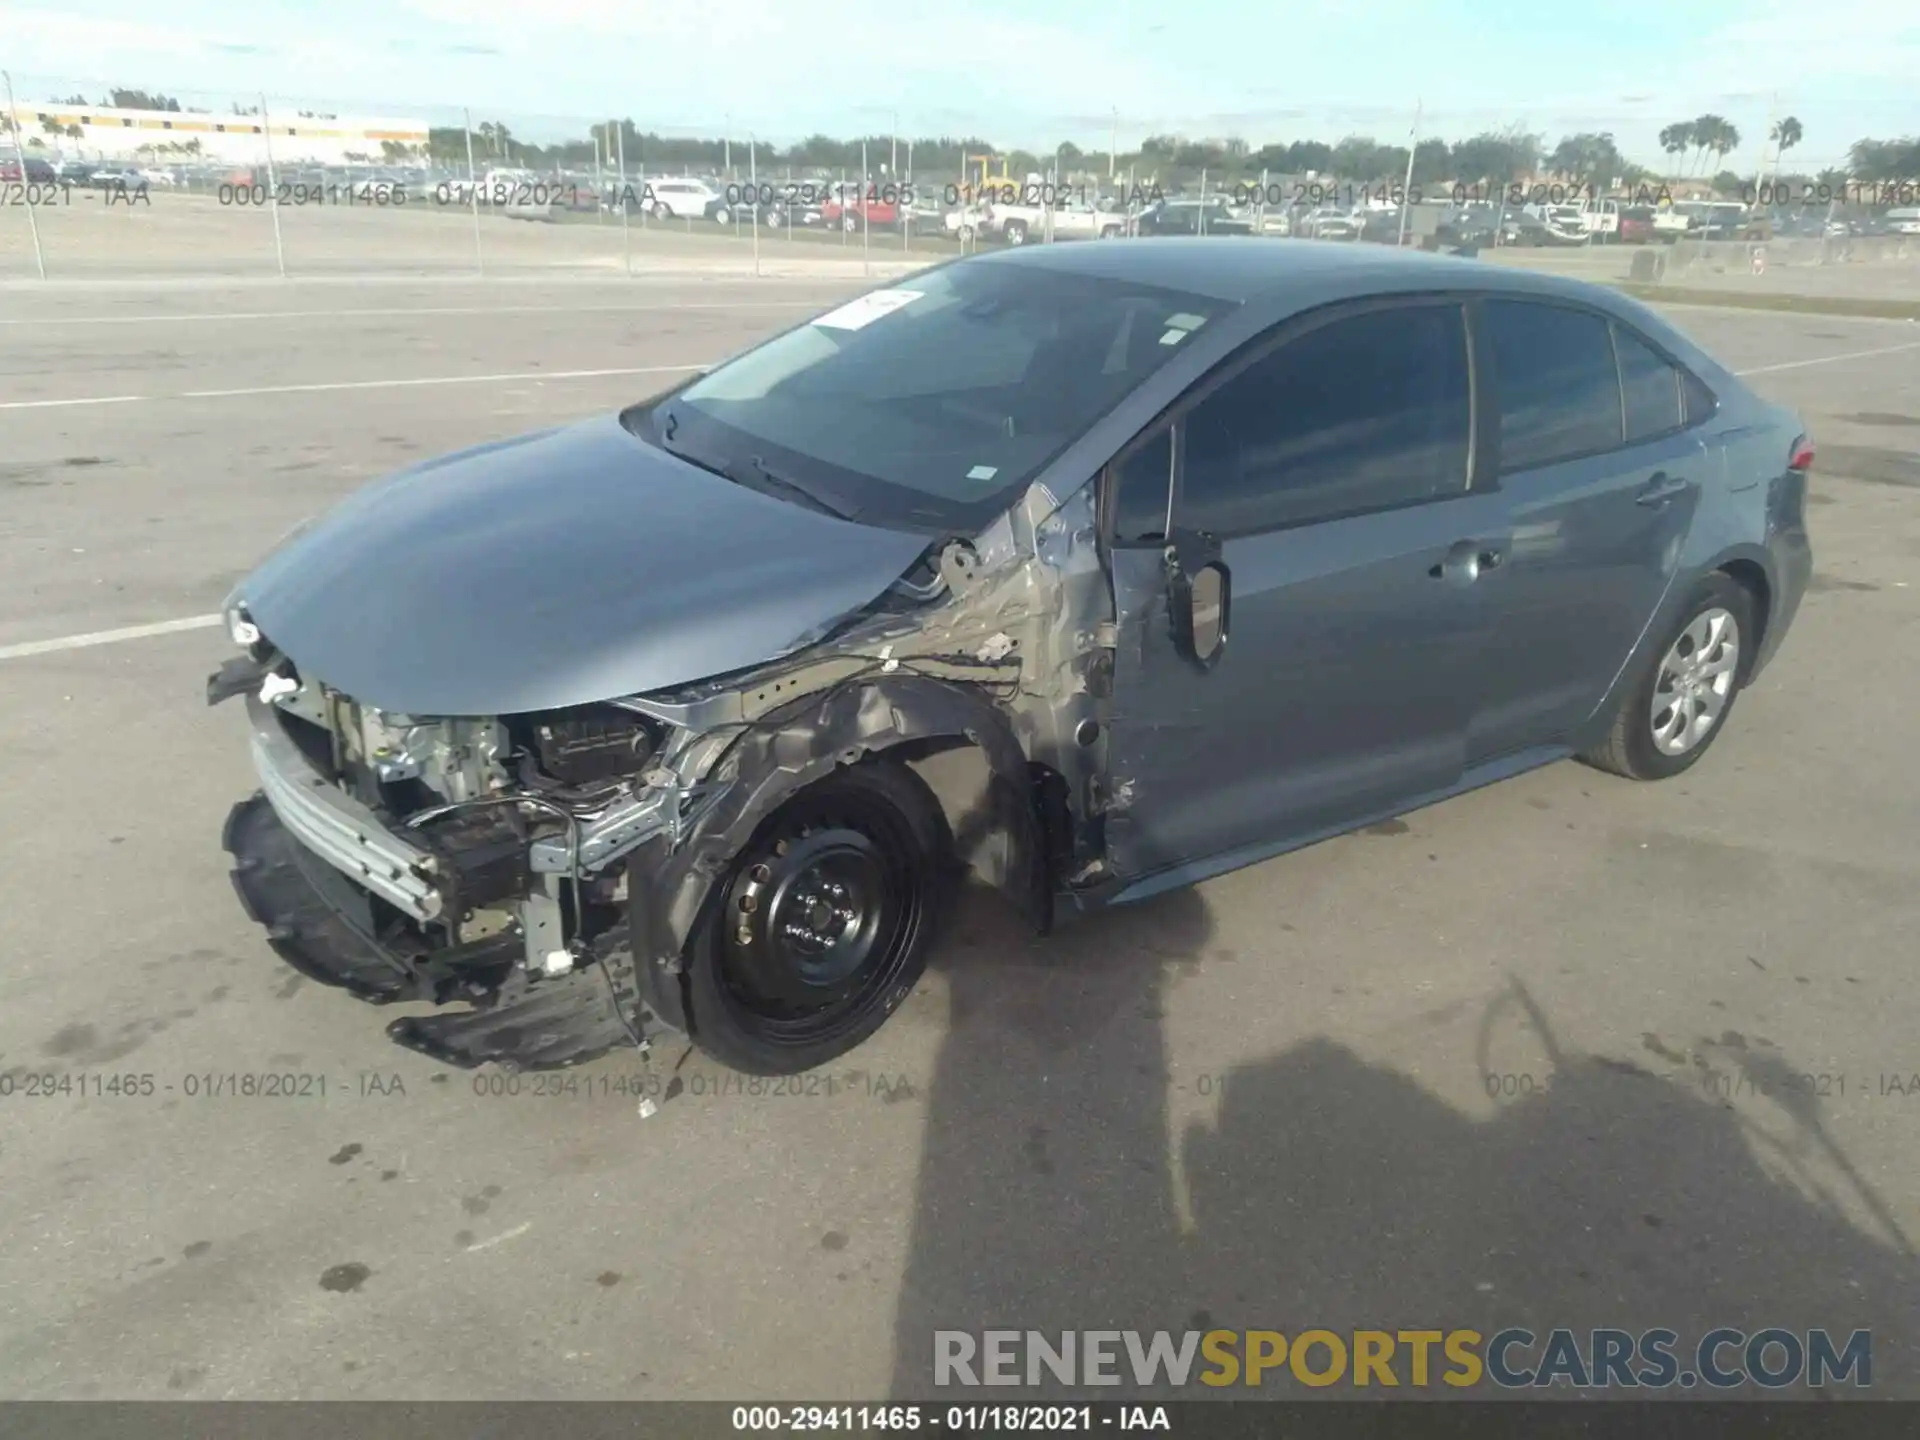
point(537, 877)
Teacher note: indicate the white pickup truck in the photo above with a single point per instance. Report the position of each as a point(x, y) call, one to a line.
point(1066, 220)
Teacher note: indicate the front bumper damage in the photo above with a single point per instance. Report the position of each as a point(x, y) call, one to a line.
point(349, 900)
point(321, 923)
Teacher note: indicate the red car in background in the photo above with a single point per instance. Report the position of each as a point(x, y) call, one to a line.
point(881, 205)
point(1636, 225)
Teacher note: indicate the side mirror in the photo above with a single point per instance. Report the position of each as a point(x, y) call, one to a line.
point(1199, 600)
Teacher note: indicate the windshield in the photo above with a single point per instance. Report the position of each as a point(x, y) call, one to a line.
point(932, 405)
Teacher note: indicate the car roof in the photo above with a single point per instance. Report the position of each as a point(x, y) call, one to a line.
point(1241, 269)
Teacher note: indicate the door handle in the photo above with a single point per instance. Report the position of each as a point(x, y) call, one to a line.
point(1467, 560)
point(1661, 489)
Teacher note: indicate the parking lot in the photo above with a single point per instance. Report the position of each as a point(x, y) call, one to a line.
point(1568, 1051)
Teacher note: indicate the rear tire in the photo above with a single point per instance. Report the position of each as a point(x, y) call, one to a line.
point(1679, 703)
point(820, 928)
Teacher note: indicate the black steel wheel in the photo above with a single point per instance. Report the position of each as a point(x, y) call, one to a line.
point(821, 927)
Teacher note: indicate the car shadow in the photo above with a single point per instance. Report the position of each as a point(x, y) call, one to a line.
point(1331, 1192)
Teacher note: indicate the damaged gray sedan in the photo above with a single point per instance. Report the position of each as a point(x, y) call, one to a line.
point(1095, 570)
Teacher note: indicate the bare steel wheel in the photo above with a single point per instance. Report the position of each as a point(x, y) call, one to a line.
point(1695, 682)
point(820, 928)
point(1678, 703)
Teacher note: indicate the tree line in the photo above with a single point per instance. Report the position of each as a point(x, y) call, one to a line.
point(1489, 158)
point(1696, 147)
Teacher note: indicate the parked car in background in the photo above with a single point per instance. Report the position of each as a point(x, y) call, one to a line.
point(635, 726)
point(1636, 225)
point(1382, 226)
point(1730, 220)
point(1904, 221)
point(1212, 216)
point(118, 177)
point(1524, 228)
point(1069, 220)
point(30, 170)
point(1599, 216)
point(1330, 223)
point(681, 199)
point(1564, 224)
point(852, 206)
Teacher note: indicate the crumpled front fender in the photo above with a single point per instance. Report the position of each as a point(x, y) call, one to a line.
point(670, 884)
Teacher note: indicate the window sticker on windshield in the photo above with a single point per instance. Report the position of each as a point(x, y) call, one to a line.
point(1174, 337)
point(860, 313)
point(983, 472)
point(1185, 322)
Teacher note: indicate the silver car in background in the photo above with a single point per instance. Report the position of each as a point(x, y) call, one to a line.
point(1097, 570)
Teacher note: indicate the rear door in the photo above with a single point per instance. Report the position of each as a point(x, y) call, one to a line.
point(1602, 475)
point(1331, 469)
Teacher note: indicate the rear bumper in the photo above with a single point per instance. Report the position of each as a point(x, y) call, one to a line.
point(1792, 553)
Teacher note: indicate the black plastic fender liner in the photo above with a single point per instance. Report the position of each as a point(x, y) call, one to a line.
point(670, 885)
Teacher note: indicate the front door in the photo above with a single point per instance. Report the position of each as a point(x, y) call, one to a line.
point(1329, 474)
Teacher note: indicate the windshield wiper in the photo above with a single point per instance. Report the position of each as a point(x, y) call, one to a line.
point(767, 479)
point(756, 475)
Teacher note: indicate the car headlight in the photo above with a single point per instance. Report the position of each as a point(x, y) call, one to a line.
point(240, 628)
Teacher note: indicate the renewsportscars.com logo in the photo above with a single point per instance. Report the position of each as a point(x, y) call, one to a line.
point(1721, 1359)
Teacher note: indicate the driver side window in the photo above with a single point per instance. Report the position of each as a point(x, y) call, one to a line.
point(1367, 411)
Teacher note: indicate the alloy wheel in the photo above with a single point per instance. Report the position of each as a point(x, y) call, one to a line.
point(1696, 682)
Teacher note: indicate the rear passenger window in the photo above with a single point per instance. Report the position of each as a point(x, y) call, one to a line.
point(1559, 393)
point(1650, 387)
point(1363, 413)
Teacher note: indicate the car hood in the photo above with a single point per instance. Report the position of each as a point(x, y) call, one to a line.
point(560, 568)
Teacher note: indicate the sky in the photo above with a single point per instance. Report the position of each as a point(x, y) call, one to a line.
point(1021, 73)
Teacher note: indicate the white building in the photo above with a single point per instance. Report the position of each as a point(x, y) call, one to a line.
point(102, 132)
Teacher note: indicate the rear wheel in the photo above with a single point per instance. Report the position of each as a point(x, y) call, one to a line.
point(1680, 702)
point(1015, 233)
point(820, 929)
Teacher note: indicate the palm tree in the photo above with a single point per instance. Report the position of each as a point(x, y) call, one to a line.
point(1786, 134)
point(1677, 139)
point(1714, 135)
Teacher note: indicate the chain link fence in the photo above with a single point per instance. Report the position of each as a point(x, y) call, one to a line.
point(103, 183)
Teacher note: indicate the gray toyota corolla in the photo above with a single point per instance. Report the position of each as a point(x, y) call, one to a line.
point(1094, 569)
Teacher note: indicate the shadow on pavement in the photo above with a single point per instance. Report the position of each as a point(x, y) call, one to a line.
point(1333, 1193)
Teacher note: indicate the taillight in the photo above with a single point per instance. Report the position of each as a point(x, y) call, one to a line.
point(1801, 457)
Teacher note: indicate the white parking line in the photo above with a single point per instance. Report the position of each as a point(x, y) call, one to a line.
point(83, 400)
point(1829, 359)
point(162, 319)
point(438, 380)
point(107, 637)
point(504, 377)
